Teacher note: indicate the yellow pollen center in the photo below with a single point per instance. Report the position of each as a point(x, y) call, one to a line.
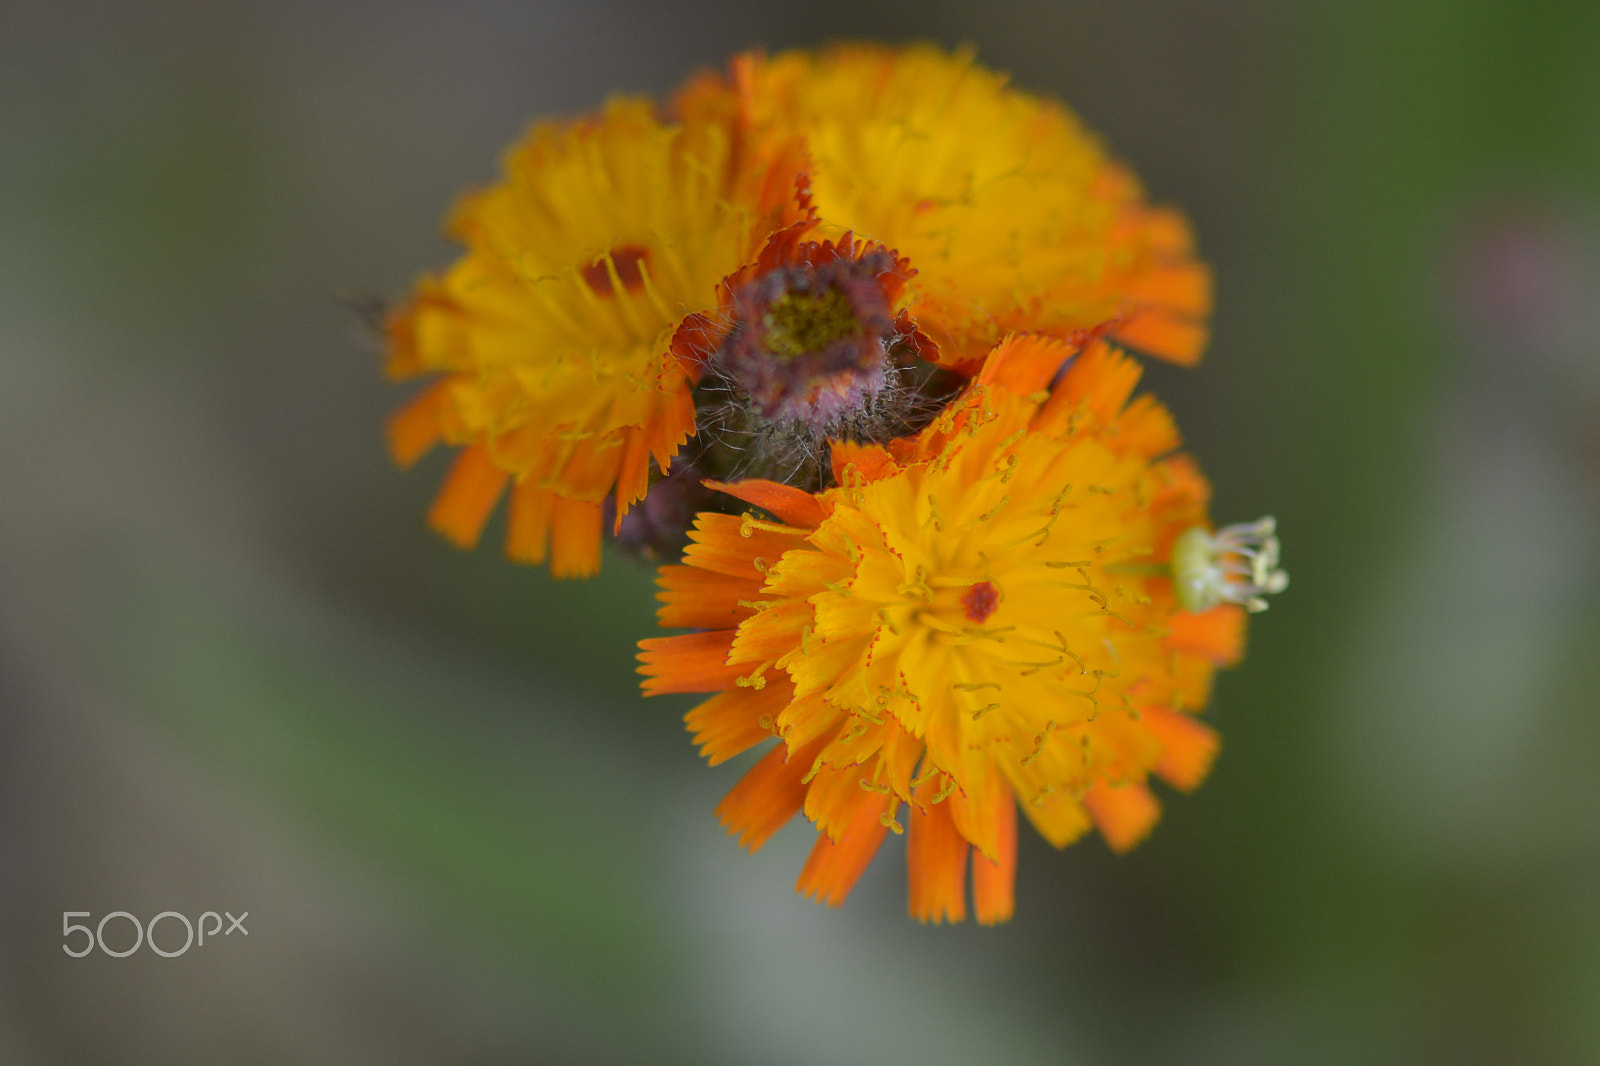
point(799, 323)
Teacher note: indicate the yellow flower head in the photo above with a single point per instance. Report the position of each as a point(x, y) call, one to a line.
point(551, 336)
point(1009, 210)
point(979, 617)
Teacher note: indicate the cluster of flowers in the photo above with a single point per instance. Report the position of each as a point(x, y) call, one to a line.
point(862, 311)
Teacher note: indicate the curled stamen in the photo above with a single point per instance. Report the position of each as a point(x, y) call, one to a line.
point(973, 634)
point(756, 679)
point(917, 585)
point(1038, 743)
point(749, 523)
point(991, 512)
point(1068, 652)
point(1055, 512)
point(1029, 669)
point(1109, 613)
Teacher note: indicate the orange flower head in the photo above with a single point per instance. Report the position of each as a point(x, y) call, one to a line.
point(979, 617)
point(1011, 212)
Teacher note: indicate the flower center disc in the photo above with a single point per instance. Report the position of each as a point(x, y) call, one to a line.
point(980, 601)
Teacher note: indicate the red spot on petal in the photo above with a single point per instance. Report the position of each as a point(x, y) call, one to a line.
point(626, 259)
point(980, 601)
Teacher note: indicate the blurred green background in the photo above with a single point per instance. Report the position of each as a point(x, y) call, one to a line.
point(237, 672)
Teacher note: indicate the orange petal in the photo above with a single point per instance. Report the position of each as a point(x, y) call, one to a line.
point(696, 341)
point(772, 633)
point(1101, 379)
point(1191, 683)
point(414, 429)
point(574, 538)
point(405, 358)
point(1060, 819)
point(1188, 746)
point(1146, 428)
point(1024, 363)
point(731, 721)
point(900, 754)
point(1216, 635)
point(809, 719)
point(633, 474)
point(791, 505)
point(993, 882)
point(689, 662)
point(671, 422)
point(833, 798)
point(1165, 336)
point(692, 598)
point(766, 797)
point(528, 523)
point(467, 497)
point(1180, 500)
point(870, 461)
point(980, 806)
point(906, 328)
point(1168, 231)
point(717, 544)
point(1184, 287)
point(833, 868)
point(936, 865)
point(1124, 814)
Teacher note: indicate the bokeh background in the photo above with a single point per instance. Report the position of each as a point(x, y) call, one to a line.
point(237, 672)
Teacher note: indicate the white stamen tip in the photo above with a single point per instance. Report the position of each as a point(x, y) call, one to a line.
point(1236, 564)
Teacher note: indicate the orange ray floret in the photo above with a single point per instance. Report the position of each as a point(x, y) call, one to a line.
point(982, 621)
point(994, 879)
point(936, 861)
point(835, 866)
